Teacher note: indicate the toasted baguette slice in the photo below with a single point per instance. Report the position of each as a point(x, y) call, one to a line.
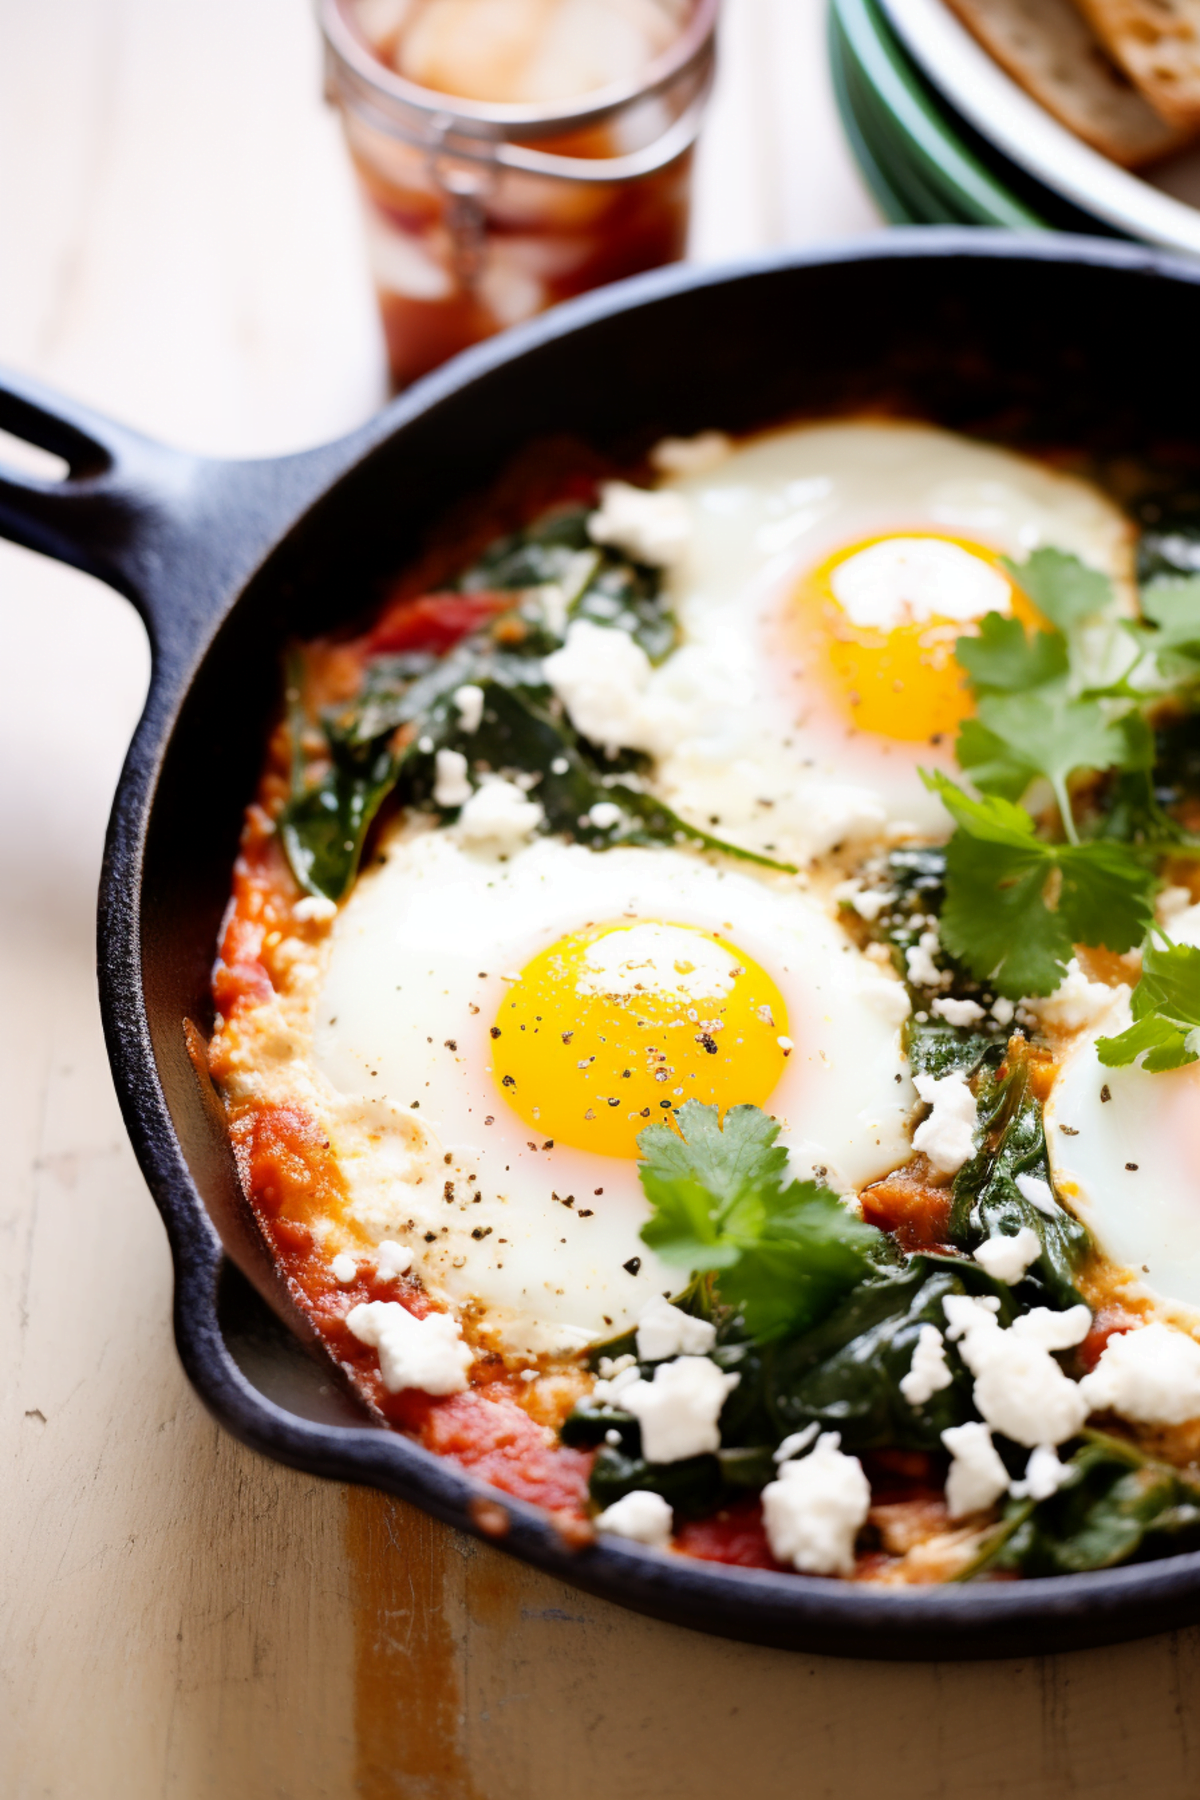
point(1157, 43)
point(1049, 48)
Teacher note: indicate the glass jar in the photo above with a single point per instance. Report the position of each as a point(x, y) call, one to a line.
point(480, 214)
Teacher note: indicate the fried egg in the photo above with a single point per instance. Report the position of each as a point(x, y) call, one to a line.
point(1125, 1150)
point(831, 569)
point(498, 1031)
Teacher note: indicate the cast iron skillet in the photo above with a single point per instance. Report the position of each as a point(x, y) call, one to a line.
point(1057, 340)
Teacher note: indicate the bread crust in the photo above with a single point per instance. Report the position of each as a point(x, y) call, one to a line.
point(1157, 44)
point(1050, 49)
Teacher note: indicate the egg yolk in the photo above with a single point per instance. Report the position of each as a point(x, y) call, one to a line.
point(619, 1024)
point(881, 619)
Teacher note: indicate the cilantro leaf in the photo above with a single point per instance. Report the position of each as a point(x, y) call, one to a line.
point(998, 919)
point(1166, 1011)
point(784, 1251)
point(1064, 590)
point(1004, 659)
point(1019, 736)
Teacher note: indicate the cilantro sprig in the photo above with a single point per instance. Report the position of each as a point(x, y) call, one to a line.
point(1016, 905)
point(1051, 705)
point(784, 1251)
point(1166, 1013)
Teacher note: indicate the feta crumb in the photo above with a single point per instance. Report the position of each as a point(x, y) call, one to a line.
point(929, 1371)
point(1019, 1388)
point(1076, 1002)
point(794, 1443)
point(665, 1330)
point(1171, 902)
point(609, 1389)
point(450, 784)
point(1039, 1193)
point(922, 970)
point(868, 903)
point(1044, 1475)
point(344, 1268)
point(815, 1508)
point(600, 675)
point(1008, 1258)
point(679, 1409)
point(469, 701)
point(392, 1259)
point(642, 1517)
point(947, 1136)
point(692, 455)
point(1054, 1330)
point(886, 996)
point(498, 813)
point(957, 1012)
point(315, 908)
point(969, 1312)
point(427, 1353)
point(650, 525)
point(605, 814)
point(1152, 1375)
point(1003, 1011)
point(613, 1365)
point(977, 1476)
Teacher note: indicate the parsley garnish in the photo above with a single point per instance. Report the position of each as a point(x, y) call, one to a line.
point(1166, 1012)
point(1016, 906)
point(783, 1251)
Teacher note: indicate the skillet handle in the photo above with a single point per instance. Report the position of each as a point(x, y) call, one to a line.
point(177, 534)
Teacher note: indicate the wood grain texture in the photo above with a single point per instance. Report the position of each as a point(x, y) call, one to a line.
point(180, 1618)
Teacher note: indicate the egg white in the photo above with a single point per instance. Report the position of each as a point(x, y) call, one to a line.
point(421, 957)
point(761, 749)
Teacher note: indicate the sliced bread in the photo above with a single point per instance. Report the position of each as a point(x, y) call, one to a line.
point(1049, 48)
point(1157, 43)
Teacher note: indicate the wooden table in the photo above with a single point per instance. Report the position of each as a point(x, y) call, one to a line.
point(179, 245)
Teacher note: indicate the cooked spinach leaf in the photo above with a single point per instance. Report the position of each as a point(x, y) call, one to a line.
point(987, 1201)
point(1118, 1506)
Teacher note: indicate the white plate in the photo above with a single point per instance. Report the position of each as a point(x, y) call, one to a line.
point(1161, 208)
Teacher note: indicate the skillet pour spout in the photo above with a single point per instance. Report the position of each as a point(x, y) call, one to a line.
point(1040, 342)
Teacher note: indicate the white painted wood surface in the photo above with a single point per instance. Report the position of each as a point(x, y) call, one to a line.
point(179, 246)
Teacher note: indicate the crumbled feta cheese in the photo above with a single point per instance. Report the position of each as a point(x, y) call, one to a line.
point(922, 970)
point(794, 1443)
point(344, 1269)
point(947, 1136)
point(608, 1390)
point(868, 903)
point(605, 814)
point(392, 1259)
point(1171, 902)
point(653, 526)
point(929, 1371)
point(815, 1508)
point(1019, 1388)
point(957, 1012)
point(1152, 1375)
point(967, 1312)
point(641, 1516)
point(469, 701)
point(1039, 1193)
point(601, 675)
point(315, 908)
point(1007, 1258)
point(427, 1353)
point(1003, 1011)
point(1044, 1475)
point(665, 1330)
point(498, 813)
point(886, 996)
point(613, 1365)
point(450, 784)
point(692, 455)
point(1054, 1330)
point(679, 1409)
point(1076, 1002)
point(977, 1476)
